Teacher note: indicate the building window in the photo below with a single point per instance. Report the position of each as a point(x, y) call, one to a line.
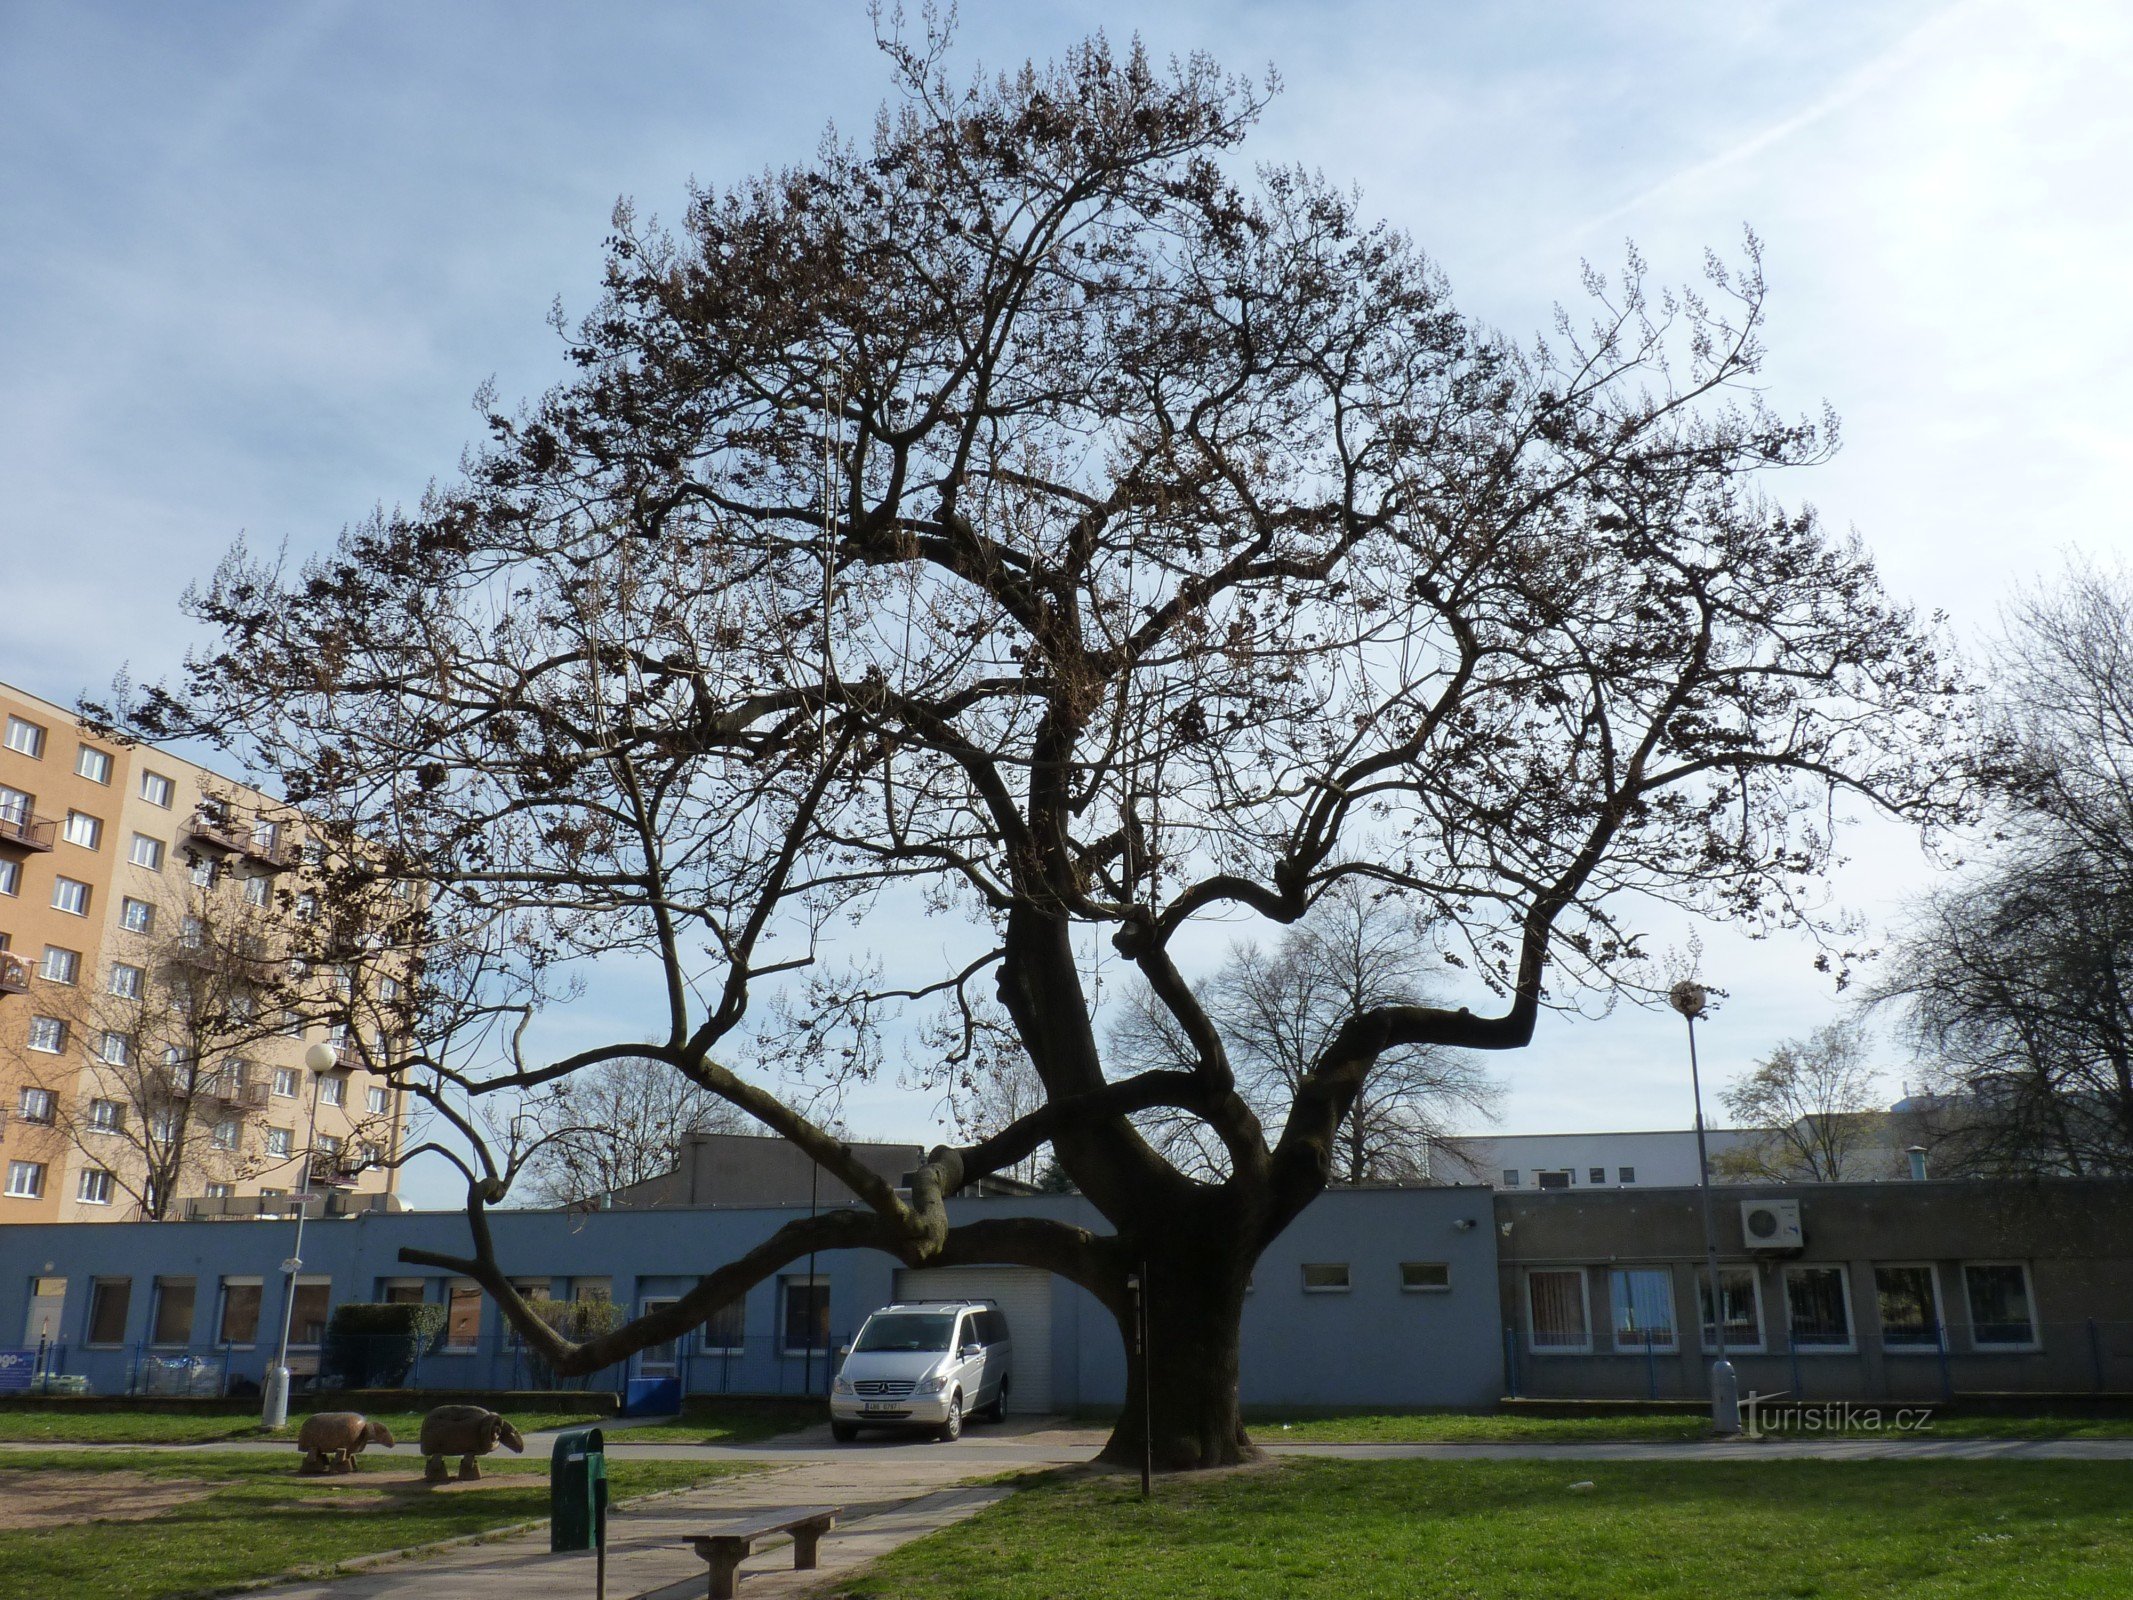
point(255, 891)
point(82, 829)
point(1820, 1305)
point(93, 1187)
point(1556, 1317)
point(1425, 1277)
point(1909, 1302)
point(285, 1083)
point(192, 933)
point(379, 1101)
point(125, 981)
point(726, 1329)
point(109, 1300)
point(240, 1311)
point(278, 1141)
point(16, 807)
point(60, 966)
point(2002, 1313)
point(1643, 1299)
point(106, 1116)
point(93, 764)
point(25, 1180)
point(1551, 1180)
point(173, 1319)
point(1510, 1177)
point(462, 1317)
point(806, 1313)
point(137, 916)
point(1325, 1277)
point(1596, 1175)
point(307, 907)
point(224, 1136)
point(388, 990)
point(1628, 1174)
point(35, 1105)
point(333, 1091)
point(162, 1128)
point(202, 874)
point(220, 1191)
point(25, 738)
point(146, 852)
point(10, 877)
point(71, 896)
point(48, 1035)
point(307, 1318)
point(157, 789)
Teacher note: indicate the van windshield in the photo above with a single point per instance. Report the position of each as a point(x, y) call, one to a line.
point(906, 1332)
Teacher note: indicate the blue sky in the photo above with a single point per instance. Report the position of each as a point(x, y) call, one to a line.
point(255, 259)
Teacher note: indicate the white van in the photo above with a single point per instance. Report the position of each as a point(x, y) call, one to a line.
point(924, 1364)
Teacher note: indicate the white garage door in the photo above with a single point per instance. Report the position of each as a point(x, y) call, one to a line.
point(1024, 1294)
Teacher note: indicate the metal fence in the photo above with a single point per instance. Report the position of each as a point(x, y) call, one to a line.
point(755, 1365)
point(2088, 1357)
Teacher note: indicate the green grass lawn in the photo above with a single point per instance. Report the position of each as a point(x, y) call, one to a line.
point(1495, 1530)
point(68, 1425)
point(715, 1420)
point(1466, 1427)
point(259, 1520)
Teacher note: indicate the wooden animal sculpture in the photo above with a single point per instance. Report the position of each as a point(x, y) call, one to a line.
point(465, 1432)
point(331, 1441)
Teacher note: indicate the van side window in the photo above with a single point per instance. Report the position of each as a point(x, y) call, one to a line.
point(996, 1327)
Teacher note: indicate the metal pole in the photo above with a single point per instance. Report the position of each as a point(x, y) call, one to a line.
point(1140, 1324)
point(814, 1190)
point(1688, 999)
point(274, 1412)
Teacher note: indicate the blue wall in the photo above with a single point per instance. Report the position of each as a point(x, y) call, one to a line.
point(1375, 1343)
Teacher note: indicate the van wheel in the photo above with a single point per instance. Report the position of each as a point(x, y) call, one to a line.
point(844, 1432)
point(997, 1411)
point(952, 1428)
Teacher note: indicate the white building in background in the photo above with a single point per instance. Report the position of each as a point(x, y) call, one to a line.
point(1659, 1159)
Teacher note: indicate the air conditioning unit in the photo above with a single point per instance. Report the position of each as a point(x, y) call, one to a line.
point(1771, 1225)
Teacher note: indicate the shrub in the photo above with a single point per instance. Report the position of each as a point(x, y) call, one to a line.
point(372, 1346)
point(575, 1320)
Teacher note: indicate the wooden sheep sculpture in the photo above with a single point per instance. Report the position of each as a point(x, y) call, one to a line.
point(465, 1432)
point(331, 1440)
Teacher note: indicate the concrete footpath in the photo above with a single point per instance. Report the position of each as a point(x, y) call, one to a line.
point(892, 1492)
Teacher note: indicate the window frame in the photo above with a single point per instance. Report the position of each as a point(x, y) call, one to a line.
point(1851, 1314)
point(2029, 1294)
point(138, 983)
point(154, 852)
point(61, 883)
point(1931, 1347)
point(70, 965)
point(84, 1182)
point(93, 764)
point(1615, 1336)
point(100, 1292)
point(1709, 1346)
point(787, 1283)
point(82, 822)
point(712, 1340)
point(224, 1301)
point(33, 1172)
point(1408, 1286)
point(1345, 1285)
point(1533, 1344)
point(137, 916)
point(24, 737)
point(159, 1297)
point(157, 789)
point(41, 1118)
point(58, 1047)
point(457, 1290)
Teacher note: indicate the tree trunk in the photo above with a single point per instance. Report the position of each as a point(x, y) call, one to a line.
point(1182, 1392)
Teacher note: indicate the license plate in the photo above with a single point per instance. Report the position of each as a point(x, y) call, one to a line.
point(880, 1405)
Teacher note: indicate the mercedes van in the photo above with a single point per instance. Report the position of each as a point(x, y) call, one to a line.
point(924, 1364)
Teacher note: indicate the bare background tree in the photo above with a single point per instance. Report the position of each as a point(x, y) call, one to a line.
point(1357, 950)
point(1017, 510)
point(1816, 1107)
point(620, 1123)
point(2015, 984)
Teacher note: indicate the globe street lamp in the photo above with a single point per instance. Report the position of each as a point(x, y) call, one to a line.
point(274, 1412)
point(1691, 999)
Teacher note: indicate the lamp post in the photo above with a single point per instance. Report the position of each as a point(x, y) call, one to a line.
point(1690, 999)
point(274, 1393)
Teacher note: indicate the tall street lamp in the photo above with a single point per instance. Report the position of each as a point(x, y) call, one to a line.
point(274, 1413)
point(1690, 999)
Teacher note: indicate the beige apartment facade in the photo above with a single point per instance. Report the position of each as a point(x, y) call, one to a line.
point(151, 1022)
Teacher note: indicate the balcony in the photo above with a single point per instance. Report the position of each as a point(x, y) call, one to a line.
point(218, 831)
point(334, 1172)
point(273, 851)
point(14, 974)
point(21, 831)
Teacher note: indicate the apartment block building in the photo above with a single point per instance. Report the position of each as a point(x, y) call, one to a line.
point(153, 1026)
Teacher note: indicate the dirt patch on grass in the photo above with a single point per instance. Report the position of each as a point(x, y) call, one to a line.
point(57, 1499)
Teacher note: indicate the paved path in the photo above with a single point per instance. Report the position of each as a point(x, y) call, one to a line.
point(891, 1493)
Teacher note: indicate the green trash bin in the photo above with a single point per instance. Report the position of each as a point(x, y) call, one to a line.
point(577, 1491)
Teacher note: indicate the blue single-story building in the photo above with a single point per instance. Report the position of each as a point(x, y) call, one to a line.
point(1373, 1297)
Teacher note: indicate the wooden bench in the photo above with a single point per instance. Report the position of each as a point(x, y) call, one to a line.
point(727, 1545)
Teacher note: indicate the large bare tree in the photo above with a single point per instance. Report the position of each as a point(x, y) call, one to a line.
point(1018, 510)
